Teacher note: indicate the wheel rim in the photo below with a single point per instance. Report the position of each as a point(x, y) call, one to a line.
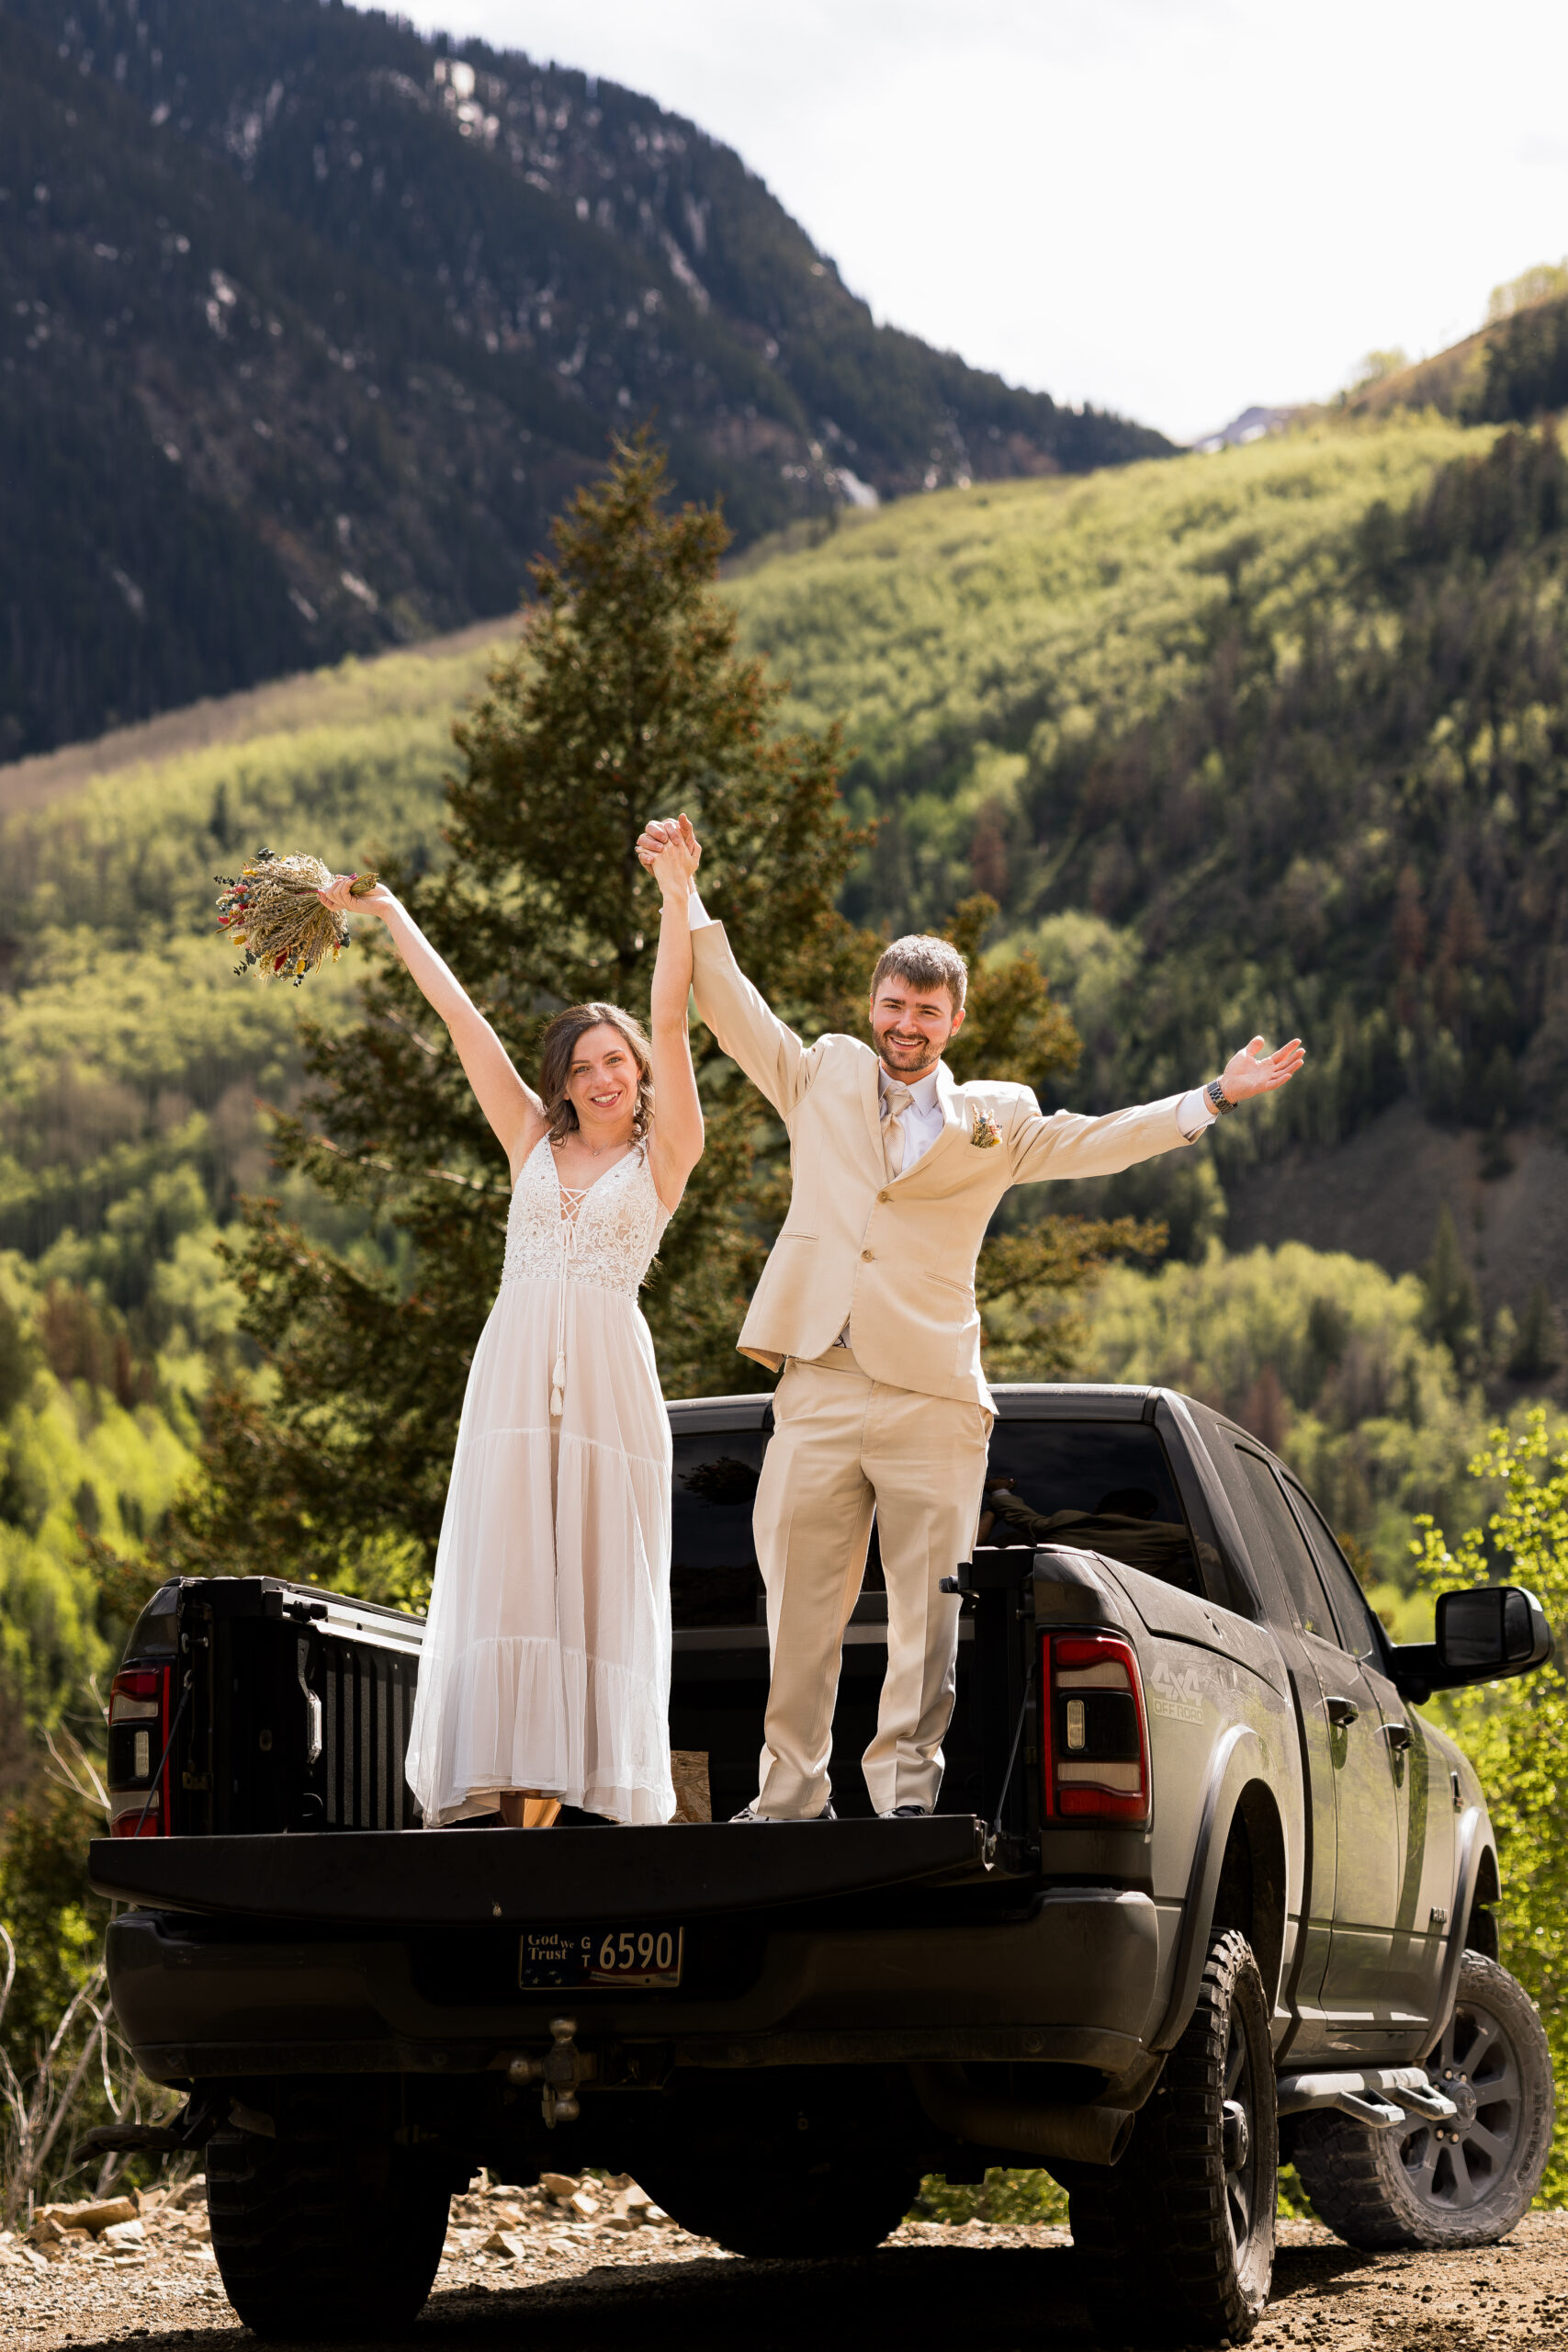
point(1453, 2167)
point(1239, 2136)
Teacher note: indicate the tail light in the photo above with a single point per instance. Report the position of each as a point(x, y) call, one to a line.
point(1096, 1738)
point(137, 1759)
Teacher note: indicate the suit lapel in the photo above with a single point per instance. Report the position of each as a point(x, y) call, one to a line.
point(870, 1102)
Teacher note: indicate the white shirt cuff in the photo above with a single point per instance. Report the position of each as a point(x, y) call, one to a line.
point(697, 915)
point(1194, 1112)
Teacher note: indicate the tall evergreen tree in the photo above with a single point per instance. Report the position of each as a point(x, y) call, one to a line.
point(624, 698)
point(1452, 1312)
point(1538, 1351)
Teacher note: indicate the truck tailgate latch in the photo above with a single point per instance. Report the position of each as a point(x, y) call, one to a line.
point(560, 2071)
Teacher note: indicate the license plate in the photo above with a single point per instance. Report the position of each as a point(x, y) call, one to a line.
point(551, 1956)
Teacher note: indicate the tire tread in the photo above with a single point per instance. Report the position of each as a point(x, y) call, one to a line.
point(1156, 2230)
point(304, 2252)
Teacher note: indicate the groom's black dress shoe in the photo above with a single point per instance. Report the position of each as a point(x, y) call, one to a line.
point(750, 1813)
point(906, 1812)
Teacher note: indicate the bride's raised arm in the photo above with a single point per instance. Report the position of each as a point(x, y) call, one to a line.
point(676, 1145)
point(513, 1109)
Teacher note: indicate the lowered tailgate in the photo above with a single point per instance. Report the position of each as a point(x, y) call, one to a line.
point(389, 1878)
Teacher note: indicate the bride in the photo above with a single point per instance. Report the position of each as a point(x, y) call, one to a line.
point(545, 1676)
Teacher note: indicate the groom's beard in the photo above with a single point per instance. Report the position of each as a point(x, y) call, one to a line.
point(906, 1061)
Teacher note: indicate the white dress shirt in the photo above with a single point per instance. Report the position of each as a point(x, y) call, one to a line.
point(922, 1120)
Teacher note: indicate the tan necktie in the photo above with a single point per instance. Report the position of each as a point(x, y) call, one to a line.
point(896, 1100)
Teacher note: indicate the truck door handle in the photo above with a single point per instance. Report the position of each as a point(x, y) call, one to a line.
point(1398, 1737)
point(1341, 1711)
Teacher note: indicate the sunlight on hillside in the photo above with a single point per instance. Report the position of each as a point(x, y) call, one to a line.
point(932, 622)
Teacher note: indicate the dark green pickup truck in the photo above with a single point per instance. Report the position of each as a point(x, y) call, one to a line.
point(1204, 1887)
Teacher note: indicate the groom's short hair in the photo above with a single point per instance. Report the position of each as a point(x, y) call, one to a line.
point(925, 963)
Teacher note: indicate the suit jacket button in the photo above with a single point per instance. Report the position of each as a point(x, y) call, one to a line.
point(868, 1255)
point(884, 1196)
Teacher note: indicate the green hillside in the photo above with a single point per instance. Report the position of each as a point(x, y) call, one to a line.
point(1274, 739)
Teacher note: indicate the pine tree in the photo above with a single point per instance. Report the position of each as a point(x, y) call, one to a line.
point(1538, 1351)
point(1452, 1313)
point(625, 699)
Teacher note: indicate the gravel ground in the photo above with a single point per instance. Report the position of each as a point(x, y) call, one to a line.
point(610, 2281)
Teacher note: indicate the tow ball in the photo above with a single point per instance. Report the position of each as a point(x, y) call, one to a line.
point(558, 2073)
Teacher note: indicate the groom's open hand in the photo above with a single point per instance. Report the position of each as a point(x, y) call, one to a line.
point(1255, 1070)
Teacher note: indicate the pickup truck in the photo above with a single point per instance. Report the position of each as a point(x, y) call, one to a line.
point(1205, 1892)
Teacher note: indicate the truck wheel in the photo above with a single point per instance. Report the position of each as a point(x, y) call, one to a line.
point(832, 2208)
point(1177, 2239)
point(317, 2237)
point(1457, 2184)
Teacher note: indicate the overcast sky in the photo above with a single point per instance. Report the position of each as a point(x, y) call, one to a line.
point(1172, 207)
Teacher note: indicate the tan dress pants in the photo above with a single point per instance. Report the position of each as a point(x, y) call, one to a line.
point(843, 1445)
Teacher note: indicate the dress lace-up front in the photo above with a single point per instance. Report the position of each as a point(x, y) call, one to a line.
point(547, 1654)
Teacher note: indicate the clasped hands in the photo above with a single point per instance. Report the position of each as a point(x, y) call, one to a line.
point(669, 848)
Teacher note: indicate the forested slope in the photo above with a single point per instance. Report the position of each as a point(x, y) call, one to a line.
point(1277, 736)
point(308, 324)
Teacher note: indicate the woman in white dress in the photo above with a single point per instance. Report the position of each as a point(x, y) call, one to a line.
point(544, 1675)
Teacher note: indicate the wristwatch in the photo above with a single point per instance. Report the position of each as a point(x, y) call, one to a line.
point(1217, 1096)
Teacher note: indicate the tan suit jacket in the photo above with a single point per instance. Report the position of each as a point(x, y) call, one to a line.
point(897, 1258)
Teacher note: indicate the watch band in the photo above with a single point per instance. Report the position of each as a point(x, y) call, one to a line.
point(1218, 1097)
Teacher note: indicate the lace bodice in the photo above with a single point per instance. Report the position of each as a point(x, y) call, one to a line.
point(609, 1238)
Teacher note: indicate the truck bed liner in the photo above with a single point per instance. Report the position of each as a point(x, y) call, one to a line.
point(377, 1877)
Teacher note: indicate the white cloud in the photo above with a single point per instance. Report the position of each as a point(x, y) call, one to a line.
point(1169, 207)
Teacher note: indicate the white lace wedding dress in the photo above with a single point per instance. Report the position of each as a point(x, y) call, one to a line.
point(546, 1654)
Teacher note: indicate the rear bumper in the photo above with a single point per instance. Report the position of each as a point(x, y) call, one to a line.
point(1076, 1982)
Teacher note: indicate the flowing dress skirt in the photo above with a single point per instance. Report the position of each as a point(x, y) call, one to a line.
point(546, 1654)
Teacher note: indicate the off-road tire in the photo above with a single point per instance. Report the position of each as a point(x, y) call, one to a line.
point(317, 2235)
point(1412, 2187)
point(826, 2209)
point(1177, 2241)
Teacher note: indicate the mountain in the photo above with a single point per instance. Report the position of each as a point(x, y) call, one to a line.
point(308, 324)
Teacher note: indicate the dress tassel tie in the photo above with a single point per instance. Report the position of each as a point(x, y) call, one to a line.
point(571, 1200)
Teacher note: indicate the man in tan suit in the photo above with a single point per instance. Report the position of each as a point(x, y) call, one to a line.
point(867, 1306)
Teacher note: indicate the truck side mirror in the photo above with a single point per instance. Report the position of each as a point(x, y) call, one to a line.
point(1481, 1635)
point(1496, 1630)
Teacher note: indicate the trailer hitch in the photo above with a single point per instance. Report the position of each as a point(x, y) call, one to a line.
point(200, 2116)
point(560, 2071)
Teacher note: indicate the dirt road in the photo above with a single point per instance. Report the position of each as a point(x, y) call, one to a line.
point(570, 2285)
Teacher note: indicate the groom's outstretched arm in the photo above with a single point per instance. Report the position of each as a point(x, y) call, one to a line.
point(746, 1025)
point(1068, 1143)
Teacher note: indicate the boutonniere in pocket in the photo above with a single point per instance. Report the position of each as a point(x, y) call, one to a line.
point(984, 1134)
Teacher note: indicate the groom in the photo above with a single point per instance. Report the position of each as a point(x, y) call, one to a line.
point(867, 1305)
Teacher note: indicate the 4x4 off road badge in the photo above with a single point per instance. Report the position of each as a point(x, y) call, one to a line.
point(1179, 1696)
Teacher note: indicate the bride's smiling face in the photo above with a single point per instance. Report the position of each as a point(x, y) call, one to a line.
point(601, 1083)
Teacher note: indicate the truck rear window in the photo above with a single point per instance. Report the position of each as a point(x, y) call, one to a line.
point(1105, 1485)
point(714, 1576)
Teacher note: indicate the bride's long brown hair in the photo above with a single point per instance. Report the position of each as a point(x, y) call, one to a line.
point(555, 1065)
